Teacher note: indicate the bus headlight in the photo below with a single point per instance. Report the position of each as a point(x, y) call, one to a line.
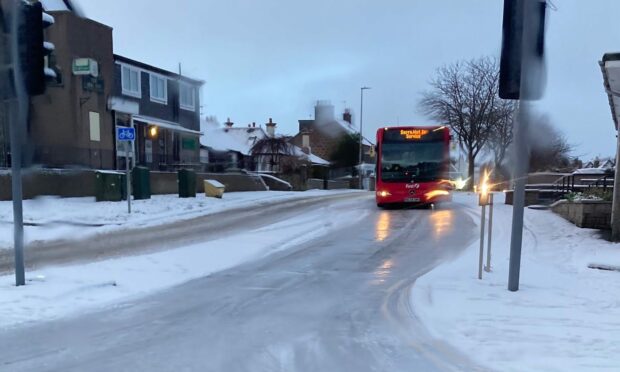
point(383, 193)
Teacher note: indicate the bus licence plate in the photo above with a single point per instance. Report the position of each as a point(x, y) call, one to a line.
point(412, 200)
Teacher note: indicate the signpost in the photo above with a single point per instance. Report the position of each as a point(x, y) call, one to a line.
point(484, 198)
point(487, 268)
point(127, 135)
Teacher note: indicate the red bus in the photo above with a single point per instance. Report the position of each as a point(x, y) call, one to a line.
point(412, 165)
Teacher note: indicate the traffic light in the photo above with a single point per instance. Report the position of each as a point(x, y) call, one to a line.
point(523, 44)
point(33, 49)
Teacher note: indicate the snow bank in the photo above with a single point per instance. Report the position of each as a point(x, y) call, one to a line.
point(50, 218)
point(62, 291)
point(565, 317)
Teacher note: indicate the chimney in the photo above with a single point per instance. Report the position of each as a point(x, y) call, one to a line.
point(324, 112)
point(253, 124)
point(271, 128)
point(305, 142)
point(228, 123)
point(346, 116)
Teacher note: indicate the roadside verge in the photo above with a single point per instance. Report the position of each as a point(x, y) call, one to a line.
point(564, 317)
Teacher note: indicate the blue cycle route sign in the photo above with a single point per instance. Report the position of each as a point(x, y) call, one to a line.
point(125, 134)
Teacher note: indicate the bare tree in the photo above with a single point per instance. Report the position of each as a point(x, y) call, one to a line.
point(273, 149)
point(464, 96)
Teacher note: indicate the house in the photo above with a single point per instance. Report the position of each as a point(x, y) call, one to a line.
point(73, 124)
point(321, 135)
point(230, 147)
point(608, 163)
point(164, 108)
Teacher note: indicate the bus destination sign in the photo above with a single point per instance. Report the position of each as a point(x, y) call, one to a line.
point(413, 134)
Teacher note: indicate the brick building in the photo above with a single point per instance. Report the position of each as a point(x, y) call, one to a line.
point(321, 135)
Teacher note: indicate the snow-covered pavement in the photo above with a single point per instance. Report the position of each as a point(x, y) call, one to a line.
point(59, 291)
point(565, 317)
point(50, 218)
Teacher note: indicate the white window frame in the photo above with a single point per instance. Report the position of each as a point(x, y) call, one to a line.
point(186, 106)
point(153, 76)
point(128, 92)
point(94, 121)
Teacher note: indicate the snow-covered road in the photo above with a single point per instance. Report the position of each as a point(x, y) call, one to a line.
point(337, 300)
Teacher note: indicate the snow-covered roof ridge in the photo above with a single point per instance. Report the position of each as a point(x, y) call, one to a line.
point(298, 152)
point(231, 139)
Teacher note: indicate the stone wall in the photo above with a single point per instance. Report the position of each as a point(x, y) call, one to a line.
point(531, 197)
point(316, 183)
point(592, 214)
point(64, 183)
point(233, 181)
point(297, 180)
point(79, 183)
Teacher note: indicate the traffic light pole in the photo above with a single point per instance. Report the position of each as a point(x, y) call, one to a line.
point(17, 125)
point(518, 203)
point(521, 77)
point(16, 185)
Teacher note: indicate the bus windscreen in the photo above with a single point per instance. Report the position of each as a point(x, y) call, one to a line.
point(412, 155)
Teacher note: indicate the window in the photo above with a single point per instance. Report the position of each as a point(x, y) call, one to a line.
point(95, 128)
point(131, 81)
point(187, 97)
point(159, 88)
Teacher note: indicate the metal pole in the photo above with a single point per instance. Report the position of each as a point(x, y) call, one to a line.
point(16, 184)
point(128, 175)
point(361, 186)
point(520, 177)
point(17, 125)
point(487, 268)
point(481, 256)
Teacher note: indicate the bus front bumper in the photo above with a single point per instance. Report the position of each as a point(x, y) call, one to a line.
point(427, 197)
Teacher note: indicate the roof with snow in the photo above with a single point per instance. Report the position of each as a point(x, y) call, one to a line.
point(610, 67)
point(297, 151)
point(241, 139)
point(590, 171)
point(238, 139)
point(333, 128)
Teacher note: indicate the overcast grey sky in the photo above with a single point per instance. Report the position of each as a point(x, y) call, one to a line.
point(274, 58)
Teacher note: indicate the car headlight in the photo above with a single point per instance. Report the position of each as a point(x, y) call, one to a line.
point(383, 193)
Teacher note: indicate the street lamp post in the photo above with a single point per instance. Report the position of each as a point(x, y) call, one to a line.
point(362, 89)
